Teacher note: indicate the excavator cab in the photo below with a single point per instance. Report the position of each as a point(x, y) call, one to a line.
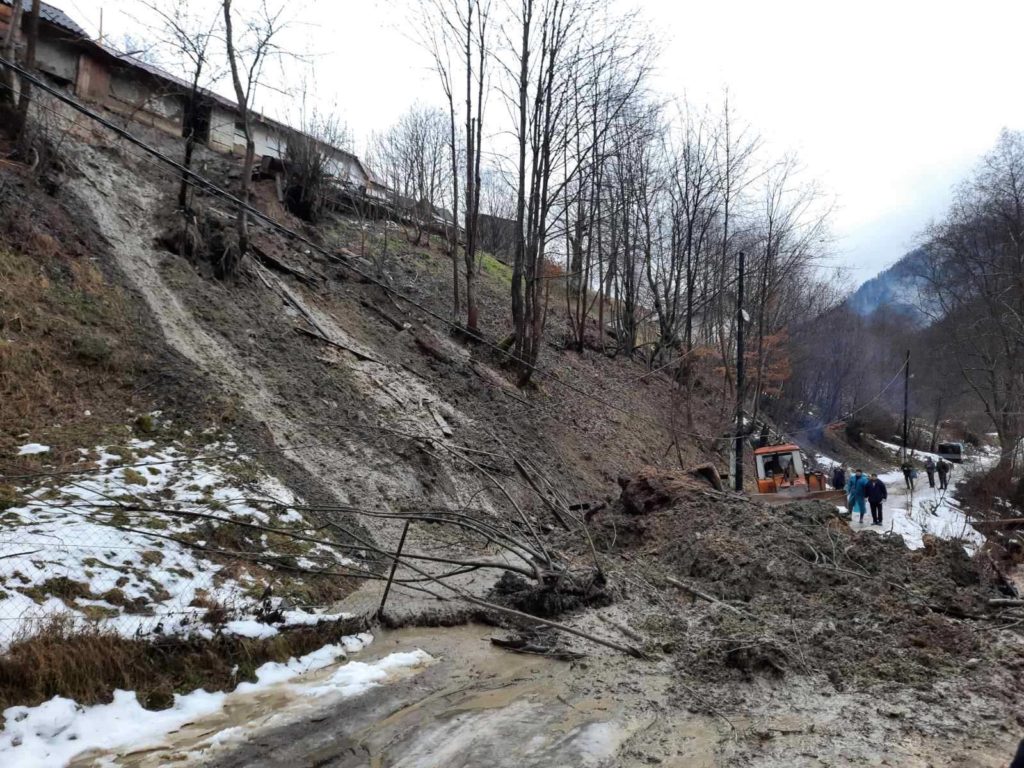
point(781, 476)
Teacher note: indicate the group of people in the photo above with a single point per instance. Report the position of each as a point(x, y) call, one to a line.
point(942, 468)
point(861, 489)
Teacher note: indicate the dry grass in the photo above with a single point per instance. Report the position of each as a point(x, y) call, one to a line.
point(60, 350)
point(88, 666)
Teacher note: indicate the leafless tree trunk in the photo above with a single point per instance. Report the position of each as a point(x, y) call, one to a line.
point(25, 94)
point(246, 61)
point(187, 38)
point(7, 88)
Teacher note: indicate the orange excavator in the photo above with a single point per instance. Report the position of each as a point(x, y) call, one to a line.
point(781, 477)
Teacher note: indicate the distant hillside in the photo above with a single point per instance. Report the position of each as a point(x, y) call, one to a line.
point(897, 289)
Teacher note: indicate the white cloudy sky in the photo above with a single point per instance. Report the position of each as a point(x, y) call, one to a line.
point(887, 103)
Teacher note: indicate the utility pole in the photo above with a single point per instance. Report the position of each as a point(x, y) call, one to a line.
point(740, 318)
point(906, 405)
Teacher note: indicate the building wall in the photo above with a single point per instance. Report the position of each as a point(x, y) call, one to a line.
point(140, 94)
point(93, 80)
point(222, 129)
point(56, 59)
point(144, 98)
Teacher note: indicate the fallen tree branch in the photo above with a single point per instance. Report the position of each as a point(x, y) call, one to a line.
point(398, 325)
point(333, 343)
point(543, 497)
point(268, 259)
point(705, 596)
point(632, 634)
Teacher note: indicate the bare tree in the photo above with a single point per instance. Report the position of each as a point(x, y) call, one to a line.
point(975, 289)
point(555, 46)
point(457, 31)
point(735, 150)
point(25, 94)
point(187, 37)
point(312, 163)
point(792, 223)
point(411, 155)
point(248, 54)
point(7, 87)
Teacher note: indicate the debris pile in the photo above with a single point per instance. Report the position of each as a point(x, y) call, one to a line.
point(793, 588)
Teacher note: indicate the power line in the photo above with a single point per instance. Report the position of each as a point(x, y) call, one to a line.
point(200, 182)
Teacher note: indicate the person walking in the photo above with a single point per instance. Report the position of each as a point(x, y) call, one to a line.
point(943, 470)
point(855, 488)
point(908, 474)
point(876, 492)
point(839, 478)
point(929, 467)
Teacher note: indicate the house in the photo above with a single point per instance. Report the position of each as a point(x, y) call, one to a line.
point(128, 87)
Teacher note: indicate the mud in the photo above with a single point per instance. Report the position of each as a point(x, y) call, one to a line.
point(477, 705)
point(839, 651)
point(807, 594)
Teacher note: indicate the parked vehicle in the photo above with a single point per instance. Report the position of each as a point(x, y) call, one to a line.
point(952, 452)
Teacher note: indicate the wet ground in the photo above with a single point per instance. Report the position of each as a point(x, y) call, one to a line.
point(476, 705)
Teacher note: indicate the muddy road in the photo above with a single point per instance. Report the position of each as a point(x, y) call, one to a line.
point(477, 705)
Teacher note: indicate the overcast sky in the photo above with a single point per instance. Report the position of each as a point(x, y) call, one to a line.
point(887, 103)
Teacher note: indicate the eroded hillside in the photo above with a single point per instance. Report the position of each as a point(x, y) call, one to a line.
point(223, 469)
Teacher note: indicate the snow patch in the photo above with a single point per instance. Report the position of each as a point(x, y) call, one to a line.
point(56, 731)
point(31, 449)
point(80, 546)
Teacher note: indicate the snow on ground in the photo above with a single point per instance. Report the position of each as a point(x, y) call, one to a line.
point(31, 449)
point(93, 546)
point(54, 732)
point(826, 462)
point(914, 453)
point(926, 510)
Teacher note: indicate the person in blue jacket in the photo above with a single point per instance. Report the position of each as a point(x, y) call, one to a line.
point(856, 488)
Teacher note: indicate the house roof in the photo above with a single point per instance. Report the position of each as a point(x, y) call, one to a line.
point(52, 15)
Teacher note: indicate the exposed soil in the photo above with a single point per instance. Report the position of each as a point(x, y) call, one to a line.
point(802, 593)
point(819, 646)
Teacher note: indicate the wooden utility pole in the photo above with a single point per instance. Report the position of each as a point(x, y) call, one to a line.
point(740, 317)
point(906, 405)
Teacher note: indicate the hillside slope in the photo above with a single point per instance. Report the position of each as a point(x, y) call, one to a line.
point(897, 289)
point(227, 467)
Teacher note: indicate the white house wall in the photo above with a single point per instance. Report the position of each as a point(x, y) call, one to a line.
point(222, 130)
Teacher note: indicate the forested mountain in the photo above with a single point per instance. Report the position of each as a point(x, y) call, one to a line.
point(897, 288)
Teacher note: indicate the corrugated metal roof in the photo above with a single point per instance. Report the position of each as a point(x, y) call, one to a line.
point(52, 15)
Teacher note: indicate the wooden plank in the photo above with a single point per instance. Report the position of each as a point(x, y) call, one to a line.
point(265, 257)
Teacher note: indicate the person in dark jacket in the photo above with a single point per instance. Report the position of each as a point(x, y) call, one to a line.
point(1018, 759)
point(943, 469)
point(876, 493)
point(839, 478)
point(908, 474)
point(929, 467)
